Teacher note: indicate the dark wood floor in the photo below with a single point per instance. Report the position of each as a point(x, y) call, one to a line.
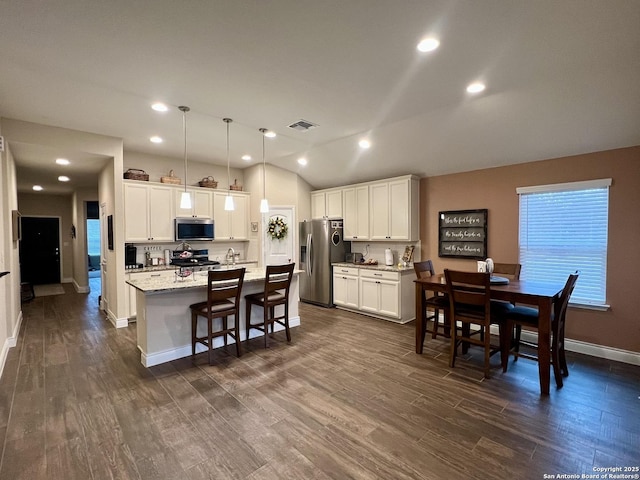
point(348, 398)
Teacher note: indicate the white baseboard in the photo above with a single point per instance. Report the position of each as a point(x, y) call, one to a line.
point(592, 349)
point(10, 342)
point(80, 289)
point(115, 321)
point(185, 350)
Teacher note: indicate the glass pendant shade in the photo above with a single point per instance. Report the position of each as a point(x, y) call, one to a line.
point(228, 201)
point(264, 206)
point(185, 200)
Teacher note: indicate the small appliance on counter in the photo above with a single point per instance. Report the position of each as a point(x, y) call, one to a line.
point(388, 257)
point(353, 257)
point(130, 260)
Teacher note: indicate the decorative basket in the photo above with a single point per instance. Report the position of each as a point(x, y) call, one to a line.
point(235, 186)
point(208, 182)
point(171, 179)
point(136, 174)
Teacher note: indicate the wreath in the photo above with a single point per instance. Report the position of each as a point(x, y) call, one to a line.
point(277, 228)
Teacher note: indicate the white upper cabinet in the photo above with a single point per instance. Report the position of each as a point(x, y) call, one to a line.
point(356, 212)
point(201, 203)
point(393, 209)
point(231, 225)
point(326, 204)
point(149, 212)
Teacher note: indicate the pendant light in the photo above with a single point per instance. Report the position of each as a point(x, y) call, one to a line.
point(228, 201)
point(185, 198)
point(264, 203)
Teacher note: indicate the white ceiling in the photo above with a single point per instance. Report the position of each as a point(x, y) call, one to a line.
point(563, 77)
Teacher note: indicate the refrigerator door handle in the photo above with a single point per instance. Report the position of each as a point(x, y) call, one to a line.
point(310, 256)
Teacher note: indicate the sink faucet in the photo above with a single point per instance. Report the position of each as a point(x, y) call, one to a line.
point(231, 254)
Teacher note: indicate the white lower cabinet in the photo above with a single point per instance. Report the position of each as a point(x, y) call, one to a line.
point(345, 287)
point(379, 293)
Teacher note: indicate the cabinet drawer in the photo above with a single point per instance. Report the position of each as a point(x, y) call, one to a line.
point(379, 274)
point(346, 271)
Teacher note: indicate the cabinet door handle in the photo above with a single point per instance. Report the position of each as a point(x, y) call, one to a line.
point(378, 274)
point(155, 274)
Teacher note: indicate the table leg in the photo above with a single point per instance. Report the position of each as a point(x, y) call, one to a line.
point(420, 313)
point(544, 344)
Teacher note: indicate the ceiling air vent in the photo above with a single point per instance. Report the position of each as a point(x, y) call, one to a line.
point(303, 125)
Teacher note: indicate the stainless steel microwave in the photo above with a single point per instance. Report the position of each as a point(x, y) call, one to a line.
point(189, 229)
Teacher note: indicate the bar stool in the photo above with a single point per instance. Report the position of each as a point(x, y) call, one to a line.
point(277, 283)
point(223, 300)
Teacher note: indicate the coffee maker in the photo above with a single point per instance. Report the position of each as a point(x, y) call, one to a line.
point(130, 254)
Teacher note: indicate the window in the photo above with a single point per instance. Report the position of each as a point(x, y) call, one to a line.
point(563, 228)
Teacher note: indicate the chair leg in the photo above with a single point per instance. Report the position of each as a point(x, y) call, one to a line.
point(452, 356)
point(516, 346)
point(247, 318)
point(210, 338)
point(286, 322)
point(436, 322)
point(194, 326)
point(423, 333)
point(224, 329)
point(265, 313)
point(555, 363)
point(506, 337)
point(487, 351)
point(236, 333)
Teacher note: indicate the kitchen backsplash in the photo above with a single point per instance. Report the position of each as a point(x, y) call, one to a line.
point(217, 251)
point(376, 250)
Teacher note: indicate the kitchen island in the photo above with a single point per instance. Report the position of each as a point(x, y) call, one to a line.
point(164, 318)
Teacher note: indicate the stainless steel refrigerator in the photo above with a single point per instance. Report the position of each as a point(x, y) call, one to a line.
point(321, 244)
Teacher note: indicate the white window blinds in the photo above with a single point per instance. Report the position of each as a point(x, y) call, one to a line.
point(563, 228)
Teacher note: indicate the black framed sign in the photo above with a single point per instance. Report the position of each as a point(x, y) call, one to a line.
point(463, 234)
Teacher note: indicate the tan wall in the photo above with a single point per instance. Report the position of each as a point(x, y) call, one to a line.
point(36, 205)
point(495, 190)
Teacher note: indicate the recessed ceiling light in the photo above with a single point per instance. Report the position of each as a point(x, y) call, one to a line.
point(156, 139)
point(428, 45)
point(302, 161)
point(62, 161)
point(63, 178)
point(270, 134)
point(37, 188)
point(364, 143)
point(246, 158)
point(476, 87)
point(160, 107)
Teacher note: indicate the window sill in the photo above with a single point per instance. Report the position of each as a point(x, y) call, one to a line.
point(587, 306)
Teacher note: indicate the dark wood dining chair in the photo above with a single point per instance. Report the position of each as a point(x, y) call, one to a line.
point(529, 317)
point(277, 284)
point(470, 304)
point(435, 302)
point(223, 300)
point(508, 270)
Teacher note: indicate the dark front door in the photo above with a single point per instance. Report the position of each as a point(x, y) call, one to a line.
point(40, 250)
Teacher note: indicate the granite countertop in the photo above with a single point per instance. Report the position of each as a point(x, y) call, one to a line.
point(165, 284)
point(387, 268)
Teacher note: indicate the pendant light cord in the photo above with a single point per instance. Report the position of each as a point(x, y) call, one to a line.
point(184, 111)
point(228, 121)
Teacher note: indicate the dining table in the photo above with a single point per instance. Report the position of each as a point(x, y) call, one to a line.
point(540, 295)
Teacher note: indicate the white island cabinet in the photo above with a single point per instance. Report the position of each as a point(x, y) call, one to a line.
point(164, 317)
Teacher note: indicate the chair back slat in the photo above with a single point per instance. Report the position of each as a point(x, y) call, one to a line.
point(224, 285)
point(278, 277)
point(511, 270)
point(424, 269)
